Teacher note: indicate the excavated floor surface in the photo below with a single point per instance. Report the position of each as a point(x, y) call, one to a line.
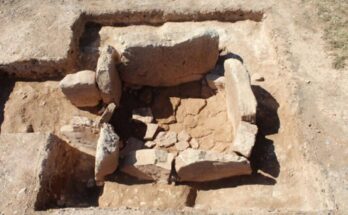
point(191, 107)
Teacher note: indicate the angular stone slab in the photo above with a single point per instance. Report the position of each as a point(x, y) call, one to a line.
point(107, 154)
point(241, 102)
point(148, 164)
point(154, 196)
point(244, 140)
point(162, 56)
point(199, 166)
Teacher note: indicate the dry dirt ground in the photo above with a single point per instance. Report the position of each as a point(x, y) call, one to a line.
point(300, 157)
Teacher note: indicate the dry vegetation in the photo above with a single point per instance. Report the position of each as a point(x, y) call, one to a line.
point(335, 16)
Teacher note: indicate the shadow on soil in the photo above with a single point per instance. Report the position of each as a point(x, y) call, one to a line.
point(6, 87)
point(263, 156)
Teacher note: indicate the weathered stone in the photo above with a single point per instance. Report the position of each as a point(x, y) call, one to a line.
point(194, 143)
point(36, 172)
point(150, 196)
point(151, 130)
point(166, 139)
point(184, 136)
point(182, 145)
point(244, 140)
point(107, 76)
point(81, 88)
point(241, 102)
point(148, 53)
point(107, 155)
point(143, 115)
point(150, 144)
point(148, 164)
point(199, 165)
point(132, 144)
point(107, 114)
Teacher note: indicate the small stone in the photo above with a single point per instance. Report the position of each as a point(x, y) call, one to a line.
point(166, 139)
point(182, 145)
point(143, 114)
point(107, 154)
point(151, 130)
point(150, 144)
point(107, 114)
point(194, 143)
point(184, 136)
point(29, 128)
point(215, 80)
point(81, 89)
point(148, 164)
point(257, 77)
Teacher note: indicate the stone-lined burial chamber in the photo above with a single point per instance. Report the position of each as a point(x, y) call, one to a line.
point(179, 113)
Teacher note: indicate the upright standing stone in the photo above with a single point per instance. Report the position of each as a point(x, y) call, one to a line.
point(108, 79)
point(107, 155)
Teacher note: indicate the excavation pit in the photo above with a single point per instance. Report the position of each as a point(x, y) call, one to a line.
point(201, 94)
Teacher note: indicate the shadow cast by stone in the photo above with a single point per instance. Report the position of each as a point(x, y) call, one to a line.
point(6, 87)
point(263, 156)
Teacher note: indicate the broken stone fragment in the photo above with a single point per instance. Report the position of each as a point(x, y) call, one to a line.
point(151, 130)
point(81, 134)
point(148, 53)
point(148, 164)
point(132, 144)
point(107, 76)
point(81, 88)
point(199, 166)
point(107, 114)
point(107, 154)
point(216, 79)
point(166, 139)
point(150, 144)
point(245, 138)
point(151, 196)
point(241, 102)
point(182, 145)
point(143, 115)
point(184, 136)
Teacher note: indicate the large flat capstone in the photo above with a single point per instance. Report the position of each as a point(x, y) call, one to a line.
point(162, 56)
